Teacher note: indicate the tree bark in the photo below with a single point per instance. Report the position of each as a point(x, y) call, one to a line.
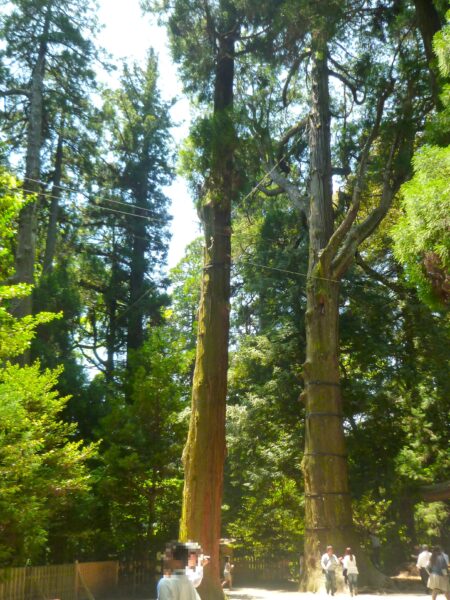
point(110, 299)
point(429, 23)
point(328, 511)
point(204, 452)
point(328, 514)
point(52, 228)
point(26, 236)
point(135, 331)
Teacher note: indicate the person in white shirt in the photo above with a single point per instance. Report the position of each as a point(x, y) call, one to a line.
point(196, 561)
point(329, 563)
point(351, 570)
point(177, 586)
point(422, 563)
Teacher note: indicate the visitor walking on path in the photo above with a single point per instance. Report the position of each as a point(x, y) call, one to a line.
point(422, 563)
point(438, 569)
point(329, 563)
point(227, 577)
point(351, 571)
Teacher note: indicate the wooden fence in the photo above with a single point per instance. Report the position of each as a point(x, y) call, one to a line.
point(78, 581)
point(251, 570)
point(114, 579)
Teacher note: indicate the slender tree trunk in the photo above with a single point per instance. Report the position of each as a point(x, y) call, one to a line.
point(52, 228)
point(26, 236)
point(111, 306)
point(204, 452)
point(135, 332)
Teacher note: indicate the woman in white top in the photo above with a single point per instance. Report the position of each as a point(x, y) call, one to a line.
point(349, 566)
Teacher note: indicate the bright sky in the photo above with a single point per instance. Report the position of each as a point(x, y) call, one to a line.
point(128, 34)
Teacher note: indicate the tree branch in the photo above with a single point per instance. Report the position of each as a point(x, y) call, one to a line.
point(395, 287)
point(272, 192)
point(300, 126)
point(362, 231)
point(291, 74)
point(349, 84)
point(333, 244)
point(301, 202)
point(15, 92)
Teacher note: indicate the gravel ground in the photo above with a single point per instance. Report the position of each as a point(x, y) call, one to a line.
point(264, 594)
point(274, 594)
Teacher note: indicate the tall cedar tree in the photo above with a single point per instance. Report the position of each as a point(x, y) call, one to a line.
point(336, 231)
point(126, 251)
point(207, 59)
point(44, 40)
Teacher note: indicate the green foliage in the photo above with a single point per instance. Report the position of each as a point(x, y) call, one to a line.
point(441, 46)
point(431, 520)
point(42, 467)
point(422, 238)
point(142, 446)
point(11, 200)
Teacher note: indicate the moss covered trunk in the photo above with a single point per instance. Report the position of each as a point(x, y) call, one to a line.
point(328, 511)
point(204, 452)
point(327, 501)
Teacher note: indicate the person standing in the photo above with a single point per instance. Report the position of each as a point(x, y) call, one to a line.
point(438, 569)
point(196, 561)
point(376, 548)
point(349, 565)
point(177, 586)
point(227, 570)
point(301, 566)
point(329, 563)
point(422, 563)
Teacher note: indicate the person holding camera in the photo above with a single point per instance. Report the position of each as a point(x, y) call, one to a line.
point(176, 585)
point(196, 561)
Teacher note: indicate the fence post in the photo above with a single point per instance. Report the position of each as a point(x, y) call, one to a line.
point(75, 592)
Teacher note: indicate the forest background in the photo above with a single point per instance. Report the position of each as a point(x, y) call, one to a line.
point(97, 339)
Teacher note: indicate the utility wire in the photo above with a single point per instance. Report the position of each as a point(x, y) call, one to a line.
point(86, 195)
point(129, 204)
point(95, 205)
point(255, 188)
point(259, 265)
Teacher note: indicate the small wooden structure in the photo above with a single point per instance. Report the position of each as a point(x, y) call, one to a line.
point(436, 492)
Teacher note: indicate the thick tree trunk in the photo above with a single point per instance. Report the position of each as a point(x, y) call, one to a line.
point(26, 236)
point(328, 512)
point(204, 452)
point(327, 502)
point(52, 227)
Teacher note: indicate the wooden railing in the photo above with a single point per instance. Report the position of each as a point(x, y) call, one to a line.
point(110, 579)
point(252, 570)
